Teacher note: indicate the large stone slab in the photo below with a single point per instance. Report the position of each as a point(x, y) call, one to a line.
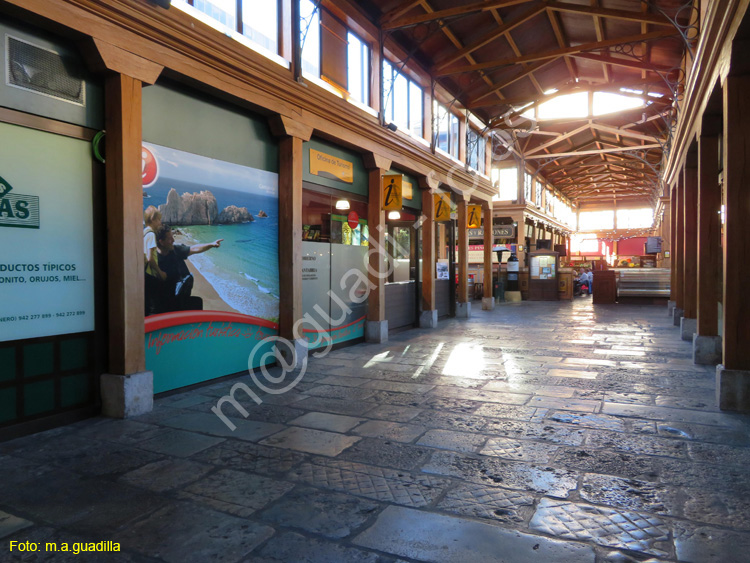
point(447, 539)
point(311, 441)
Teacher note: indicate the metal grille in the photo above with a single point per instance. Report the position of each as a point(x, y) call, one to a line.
point(43, 71)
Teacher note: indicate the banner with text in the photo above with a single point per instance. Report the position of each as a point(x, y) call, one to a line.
point(47, 234)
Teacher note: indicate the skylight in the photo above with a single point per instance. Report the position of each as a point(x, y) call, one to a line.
point(607, 102)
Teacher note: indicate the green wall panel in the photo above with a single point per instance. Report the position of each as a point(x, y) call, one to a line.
point(74, 390)
point(8, 364)
point(38, 397)
point(196, 123)
point(7, 405)
point(359, 186)
point(38, 359)
point(73, 354)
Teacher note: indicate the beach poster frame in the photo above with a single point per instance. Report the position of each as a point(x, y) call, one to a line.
point(204, 200)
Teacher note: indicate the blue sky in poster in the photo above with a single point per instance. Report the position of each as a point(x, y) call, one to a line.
point(244, 272)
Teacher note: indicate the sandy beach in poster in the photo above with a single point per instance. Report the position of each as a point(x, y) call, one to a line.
point(222, 294)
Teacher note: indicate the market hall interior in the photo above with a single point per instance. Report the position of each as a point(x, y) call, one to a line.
point(261, 227)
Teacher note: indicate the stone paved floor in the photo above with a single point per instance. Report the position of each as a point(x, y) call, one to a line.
point(544, 432)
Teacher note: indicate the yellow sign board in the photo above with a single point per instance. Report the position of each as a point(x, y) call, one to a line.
point(331, 167)
point(392, 192)
point(407, 191)
point(442, 207)
point(475, 217)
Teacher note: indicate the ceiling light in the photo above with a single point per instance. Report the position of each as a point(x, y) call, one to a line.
point(394, 215)
point(342, 204)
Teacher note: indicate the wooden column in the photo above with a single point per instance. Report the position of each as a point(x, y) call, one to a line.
point(690, 240)
point(709, 232)
point(488, 302)
point(292, 134)
point(127, 353)
point(679, 245)
point(463, 252)
point(377, 166)
point(736, 317)
point(673, 243)
point(428, 316)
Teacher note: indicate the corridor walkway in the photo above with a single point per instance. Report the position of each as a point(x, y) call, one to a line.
point(544, 432)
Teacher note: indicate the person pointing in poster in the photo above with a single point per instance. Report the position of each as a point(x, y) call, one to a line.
point(177, 288)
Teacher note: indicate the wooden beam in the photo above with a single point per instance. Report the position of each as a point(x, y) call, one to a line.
point(497, 87)
point(557, 52)
point(558, 139)
point(595, 151)
point(399, 10)
point(491, 36)
point(377, 229)
point(617, 61)
point(290, 234)
point(624, 132)
point(488, 240)
point(103, 56)
point(462, 295)
point(709, 235)
point(627, 15)
point(124, 187)
point(736, 156)
point(408, 21)
point(428, 247)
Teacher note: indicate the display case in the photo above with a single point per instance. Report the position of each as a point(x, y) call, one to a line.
point(643, 282)
point(543, 274)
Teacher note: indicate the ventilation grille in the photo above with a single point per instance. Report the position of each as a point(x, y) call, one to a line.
point(44, 71)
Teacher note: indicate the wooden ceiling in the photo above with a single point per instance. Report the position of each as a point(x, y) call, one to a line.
point(499, 58)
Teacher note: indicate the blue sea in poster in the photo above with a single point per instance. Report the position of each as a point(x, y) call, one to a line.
point(244, 271)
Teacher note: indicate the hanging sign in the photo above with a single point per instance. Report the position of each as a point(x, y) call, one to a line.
point(407, 190)
point(475, 217)
point(442, 207)
point(392, 184)
point(331, 167)
point(353, 219)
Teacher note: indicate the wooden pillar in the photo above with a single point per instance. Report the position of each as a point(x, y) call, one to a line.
point(709, 231)
point(292, 134)
point(679, 248)
point(428, 315)
point(736, 317)
point(488, 303)
point(462, 297)
point(673, 244)
point(127, 351)
point(376, 328)
point(519, 181)
point(690, 240)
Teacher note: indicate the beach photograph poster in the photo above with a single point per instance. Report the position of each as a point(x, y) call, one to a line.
point(210, 239)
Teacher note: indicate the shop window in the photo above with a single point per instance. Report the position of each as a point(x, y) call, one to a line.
point(331, 219)
point(403, 101)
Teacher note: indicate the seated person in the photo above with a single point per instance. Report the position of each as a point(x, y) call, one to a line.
point(172, 262)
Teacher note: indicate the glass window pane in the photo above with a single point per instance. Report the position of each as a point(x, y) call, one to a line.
point(442, 128)
point(401, 101)
point(260, 23)
point(596, 220)
point(635, 218)
point(454, 136)
point(508, 184)
point(358, 69)
point(223, 11)
point(310, 37)
point(416, 112)
point(388, 90)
